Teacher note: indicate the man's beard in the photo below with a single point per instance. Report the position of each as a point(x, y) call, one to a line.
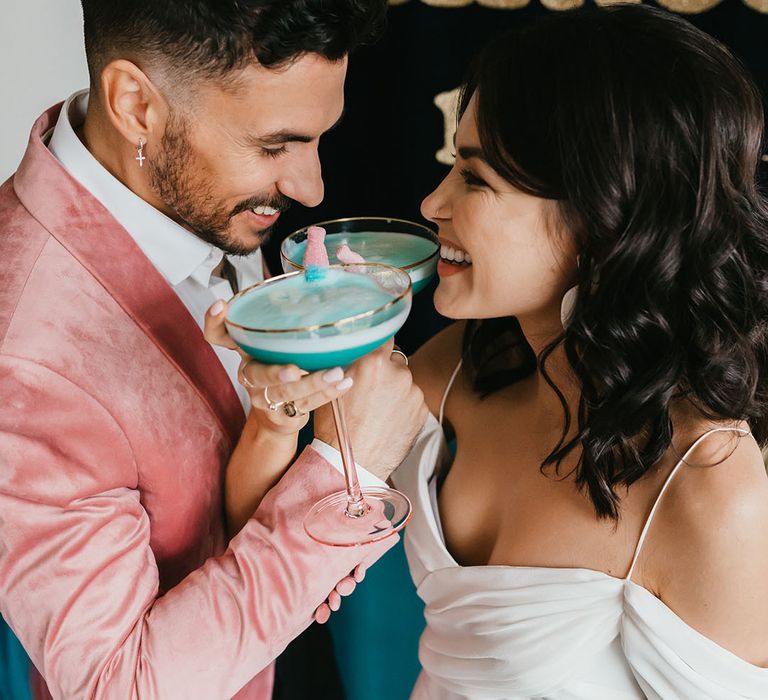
point(170, 176)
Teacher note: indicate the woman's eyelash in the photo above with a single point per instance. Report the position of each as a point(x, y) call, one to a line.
point(471, 179)
point(273, 152)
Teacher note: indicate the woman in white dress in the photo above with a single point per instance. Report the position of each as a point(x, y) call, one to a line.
point(602, 531)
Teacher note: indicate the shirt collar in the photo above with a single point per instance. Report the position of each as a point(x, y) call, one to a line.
point(174, 251)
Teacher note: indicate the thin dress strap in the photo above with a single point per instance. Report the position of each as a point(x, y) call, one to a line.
point(667, 482)
point(447, 391)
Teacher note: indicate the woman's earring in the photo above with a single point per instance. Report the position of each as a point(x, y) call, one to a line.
point(141, 157)
point(569, 302)
point(567, 305)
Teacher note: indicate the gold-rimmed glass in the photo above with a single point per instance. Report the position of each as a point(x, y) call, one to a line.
point(411, 246)
point(352, 311)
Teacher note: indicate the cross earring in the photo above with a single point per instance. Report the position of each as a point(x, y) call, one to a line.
point(141, 157)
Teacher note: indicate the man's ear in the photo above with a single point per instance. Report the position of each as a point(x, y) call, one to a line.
point(134, 106)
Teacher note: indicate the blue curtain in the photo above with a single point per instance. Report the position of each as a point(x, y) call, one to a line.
point(14, 666)
point(376, 632)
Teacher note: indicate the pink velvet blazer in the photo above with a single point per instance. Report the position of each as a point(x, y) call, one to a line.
point(116, 422)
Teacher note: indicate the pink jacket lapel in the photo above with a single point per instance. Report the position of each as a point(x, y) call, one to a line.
point(85, 228)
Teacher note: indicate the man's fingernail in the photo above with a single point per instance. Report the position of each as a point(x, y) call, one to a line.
point(322, 614)
point(334, 375)
point(345, 383)
point(289, 374)
point(345, 586)
point(217, 308)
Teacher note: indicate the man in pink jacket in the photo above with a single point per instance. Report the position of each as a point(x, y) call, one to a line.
point(137, 205)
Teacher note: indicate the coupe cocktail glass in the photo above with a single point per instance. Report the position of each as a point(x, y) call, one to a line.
point(404, 244)
point(321, 324)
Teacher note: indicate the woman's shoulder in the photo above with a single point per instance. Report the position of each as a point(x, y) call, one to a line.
point(434, 362)
point(708, 557)
point(721, 487)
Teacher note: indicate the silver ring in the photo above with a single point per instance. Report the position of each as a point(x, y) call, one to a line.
point(243, 379)
point(397, 351)
point(292, 410)
point(271, 405)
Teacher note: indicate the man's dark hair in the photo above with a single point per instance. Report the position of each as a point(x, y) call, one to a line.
point(212, 38)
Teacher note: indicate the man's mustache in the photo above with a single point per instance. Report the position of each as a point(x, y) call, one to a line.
point(278, 201)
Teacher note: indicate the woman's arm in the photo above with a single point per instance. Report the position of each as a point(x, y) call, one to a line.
point(269, 440)
point(256, 465)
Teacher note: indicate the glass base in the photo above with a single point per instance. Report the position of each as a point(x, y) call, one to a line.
point(386, 512)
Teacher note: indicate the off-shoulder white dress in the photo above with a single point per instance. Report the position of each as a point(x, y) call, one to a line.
point(513, 632)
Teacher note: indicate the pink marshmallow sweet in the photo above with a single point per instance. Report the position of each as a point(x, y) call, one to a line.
point(315, 254)
point(346, 255)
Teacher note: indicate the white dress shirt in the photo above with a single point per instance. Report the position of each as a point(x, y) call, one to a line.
point(184, 260)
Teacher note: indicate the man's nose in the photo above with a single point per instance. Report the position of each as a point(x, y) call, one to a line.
point(304, 181)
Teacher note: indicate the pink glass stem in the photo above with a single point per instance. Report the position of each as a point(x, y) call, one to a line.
point(356, 505)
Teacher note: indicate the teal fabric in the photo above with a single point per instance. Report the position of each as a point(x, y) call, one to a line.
point(14, 667)
point(376, 632)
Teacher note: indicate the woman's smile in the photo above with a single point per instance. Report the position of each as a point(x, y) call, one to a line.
point(453, 259)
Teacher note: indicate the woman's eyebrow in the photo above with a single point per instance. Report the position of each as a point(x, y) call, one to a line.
point(467, 152)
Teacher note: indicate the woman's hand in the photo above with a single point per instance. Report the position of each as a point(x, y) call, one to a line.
point(283, 395)
point(281, 398)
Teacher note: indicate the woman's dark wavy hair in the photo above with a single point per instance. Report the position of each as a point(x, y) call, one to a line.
point(212, 38)
point(648, 134)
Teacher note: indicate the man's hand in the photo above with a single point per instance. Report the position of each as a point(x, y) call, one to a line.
point(384, 412)
point(344, 587)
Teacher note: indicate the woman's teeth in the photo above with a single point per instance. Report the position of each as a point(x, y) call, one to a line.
point(264, 211)
point(455, 256)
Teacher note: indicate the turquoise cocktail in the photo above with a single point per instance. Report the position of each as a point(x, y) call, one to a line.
point(404, 244)
point(320, 324)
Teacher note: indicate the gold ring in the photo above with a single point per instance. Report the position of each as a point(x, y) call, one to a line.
point(397, 351)
point(243, 379)
point(271, 405)
point(291, 410)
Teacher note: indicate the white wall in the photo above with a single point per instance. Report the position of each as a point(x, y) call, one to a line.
point(42, 61)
